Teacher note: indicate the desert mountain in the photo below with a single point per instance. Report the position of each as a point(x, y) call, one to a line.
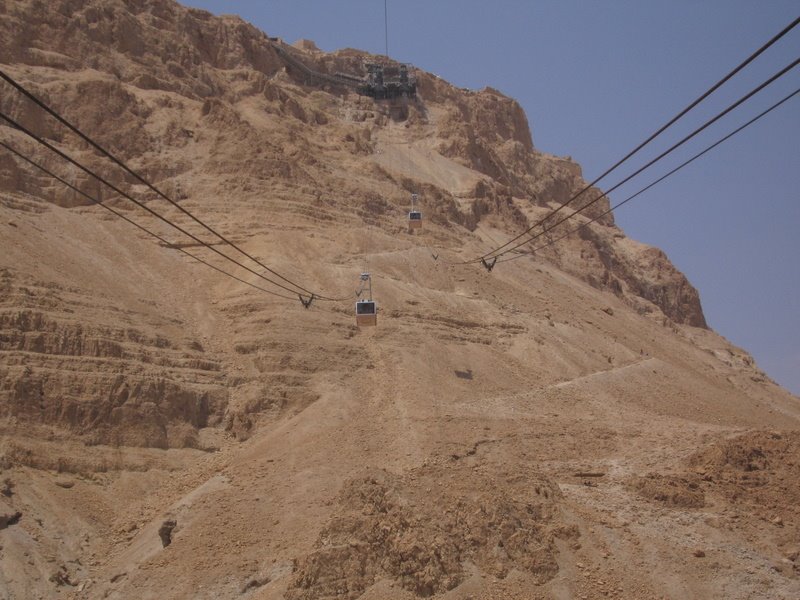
point(564, 426)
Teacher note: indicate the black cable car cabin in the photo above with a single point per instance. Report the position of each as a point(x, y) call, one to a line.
point(366, 312)
point(414, 219)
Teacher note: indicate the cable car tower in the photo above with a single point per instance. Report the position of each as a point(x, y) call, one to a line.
point(414, 216)
point(366, 310)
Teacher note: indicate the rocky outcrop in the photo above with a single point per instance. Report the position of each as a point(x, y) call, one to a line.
point(166, 46)
point(637, 272)
point(420, 530)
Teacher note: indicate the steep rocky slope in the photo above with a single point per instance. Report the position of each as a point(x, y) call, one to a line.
point(564, 426)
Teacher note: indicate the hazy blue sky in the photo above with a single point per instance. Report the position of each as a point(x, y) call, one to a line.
point(595, 79)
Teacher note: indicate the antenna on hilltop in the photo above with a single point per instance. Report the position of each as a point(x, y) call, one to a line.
point(386, 26)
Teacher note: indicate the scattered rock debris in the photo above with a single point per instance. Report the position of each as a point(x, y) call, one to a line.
point(62, 577)
point(672, 491)
point(255, 582)
point(466, 374)
point(165, 532)
point(10, 519)
point(419, 530)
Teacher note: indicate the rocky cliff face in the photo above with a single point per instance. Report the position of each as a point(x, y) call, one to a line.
point(191, 99)
point(455, 449)
point(227, 63)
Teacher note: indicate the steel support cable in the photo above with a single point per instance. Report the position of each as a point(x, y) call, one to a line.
point(437, 256)
point(657, 181)
point(707, 124)
point(141, 179)
point(137, 225)
point(138, 203)
point(705, 95)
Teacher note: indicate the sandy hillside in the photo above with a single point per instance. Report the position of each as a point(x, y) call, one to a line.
point(565, 426)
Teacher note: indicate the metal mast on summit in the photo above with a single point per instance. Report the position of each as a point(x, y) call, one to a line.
point(386, 26)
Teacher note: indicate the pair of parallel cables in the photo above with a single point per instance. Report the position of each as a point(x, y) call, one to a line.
point(489, 259)
point(288, 286)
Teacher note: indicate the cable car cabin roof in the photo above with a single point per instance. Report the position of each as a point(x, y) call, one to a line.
point(415, 215)
point(366, 307)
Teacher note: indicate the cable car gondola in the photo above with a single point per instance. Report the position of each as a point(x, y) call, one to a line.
point(366, 310)
point(414, 216)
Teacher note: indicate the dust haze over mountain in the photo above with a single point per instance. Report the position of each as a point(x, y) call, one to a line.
point(564, 426)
